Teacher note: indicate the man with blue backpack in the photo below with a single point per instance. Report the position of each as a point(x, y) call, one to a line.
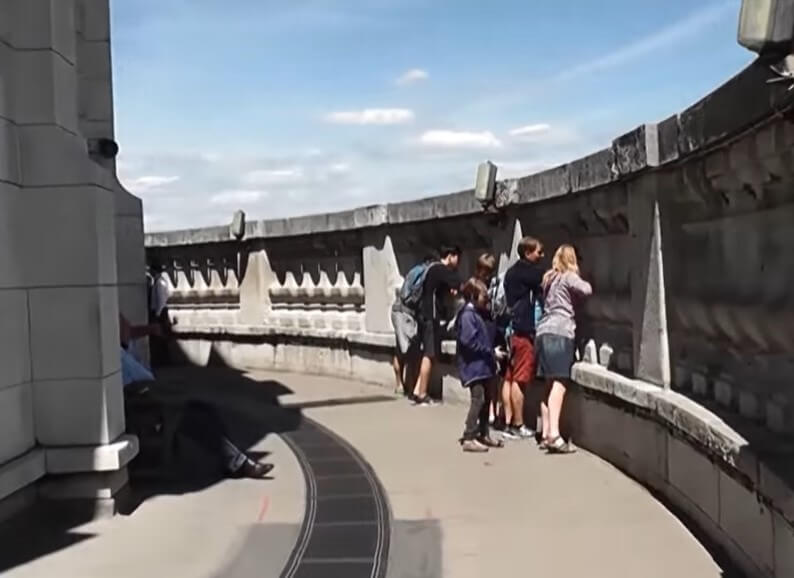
point(437, 281)
point(404, 314)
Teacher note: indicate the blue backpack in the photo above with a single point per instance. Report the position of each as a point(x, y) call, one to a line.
point(413, 285)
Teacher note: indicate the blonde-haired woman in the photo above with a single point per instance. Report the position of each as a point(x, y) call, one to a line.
point(562, 287)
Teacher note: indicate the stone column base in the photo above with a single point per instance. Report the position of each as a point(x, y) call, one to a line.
point(95, 494)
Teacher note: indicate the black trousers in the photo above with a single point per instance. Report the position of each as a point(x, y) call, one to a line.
point(477, 418)
point(151, 417)
point(202, 423)
point(158, 344)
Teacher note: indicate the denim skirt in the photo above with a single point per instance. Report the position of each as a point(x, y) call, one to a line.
point(555, 356)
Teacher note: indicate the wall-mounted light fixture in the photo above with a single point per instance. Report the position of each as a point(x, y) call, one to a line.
point(485, 187)
point(767, 27)
point(237, 228)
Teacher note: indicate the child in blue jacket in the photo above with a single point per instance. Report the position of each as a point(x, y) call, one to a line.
point(476, 364)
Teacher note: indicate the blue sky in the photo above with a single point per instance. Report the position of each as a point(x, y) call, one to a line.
point(288, 108)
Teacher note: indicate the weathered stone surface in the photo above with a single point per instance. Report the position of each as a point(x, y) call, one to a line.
point(731, 108)
point(694, 476)
point(748, 521)
point(636, 150)
point(775, 482)
point(593, 170)
point(784, 548)
point(546, 185)
point(667, 131)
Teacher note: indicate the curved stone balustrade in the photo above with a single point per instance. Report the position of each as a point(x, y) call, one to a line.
point(684, 228)
point(319, 305)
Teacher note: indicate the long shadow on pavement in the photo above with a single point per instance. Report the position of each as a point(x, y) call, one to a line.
point(251, 411)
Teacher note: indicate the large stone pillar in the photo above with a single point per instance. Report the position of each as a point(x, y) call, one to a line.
point(60, 381)
point(95, 121)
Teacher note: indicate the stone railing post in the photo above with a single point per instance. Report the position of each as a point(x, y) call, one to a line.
point(255, 286)
point(649, 312)
point(381, 276)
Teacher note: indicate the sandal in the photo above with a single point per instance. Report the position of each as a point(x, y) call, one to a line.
point(489, 442)
point(543, 445)
point(560, 446)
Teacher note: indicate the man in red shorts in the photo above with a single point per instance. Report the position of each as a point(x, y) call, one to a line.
point(522, 290)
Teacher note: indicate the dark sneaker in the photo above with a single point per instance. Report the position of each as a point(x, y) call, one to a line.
point(510, 433)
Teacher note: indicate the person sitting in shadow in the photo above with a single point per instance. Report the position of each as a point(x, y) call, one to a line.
point(197, 420)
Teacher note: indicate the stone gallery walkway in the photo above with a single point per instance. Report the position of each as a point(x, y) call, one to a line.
point(366, 485)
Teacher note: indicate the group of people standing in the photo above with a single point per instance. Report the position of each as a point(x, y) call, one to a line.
point(510, 329)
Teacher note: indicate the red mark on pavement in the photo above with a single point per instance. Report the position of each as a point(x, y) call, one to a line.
point(263, 509)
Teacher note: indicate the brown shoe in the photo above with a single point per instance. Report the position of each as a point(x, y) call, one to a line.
point(253, 470)
point(473, 446)
point(489, 442)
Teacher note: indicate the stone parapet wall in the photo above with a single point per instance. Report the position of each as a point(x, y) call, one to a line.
point(730, 480)
point(682, 226)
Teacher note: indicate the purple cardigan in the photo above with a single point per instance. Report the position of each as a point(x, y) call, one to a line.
point(476, 361)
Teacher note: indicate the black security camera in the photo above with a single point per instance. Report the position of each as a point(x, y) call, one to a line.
point(104, 148)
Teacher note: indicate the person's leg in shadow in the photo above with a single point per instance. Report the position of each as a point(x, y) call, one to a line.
point(202, 423)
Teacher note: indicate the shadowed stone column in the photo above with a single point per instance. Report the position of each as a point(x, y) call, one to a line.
point(57, 267)
point(649, 312)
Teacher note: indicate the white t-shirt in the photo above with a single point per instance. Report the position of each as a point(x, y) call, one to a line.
point(160, 294)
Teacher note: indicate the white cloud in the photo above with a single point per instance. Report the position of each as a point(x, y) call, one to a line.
point(237, 197)
point(530, 130)
point(149, 183)
point(381, 116)
point(273, 176)
point(339, 168)
point(460, 139)
point(412, 76)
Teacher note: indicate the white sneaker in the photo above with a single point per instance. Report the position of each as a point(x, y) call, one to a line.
point(525, 433)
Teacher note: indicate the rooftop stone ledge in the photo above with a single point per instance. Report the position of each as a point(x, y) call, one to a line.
point(761, 462)
point(740, 104)
point(704, 429)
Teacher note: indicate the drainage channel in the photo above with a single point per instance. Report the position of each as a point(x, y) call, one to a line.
point(346, 526)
